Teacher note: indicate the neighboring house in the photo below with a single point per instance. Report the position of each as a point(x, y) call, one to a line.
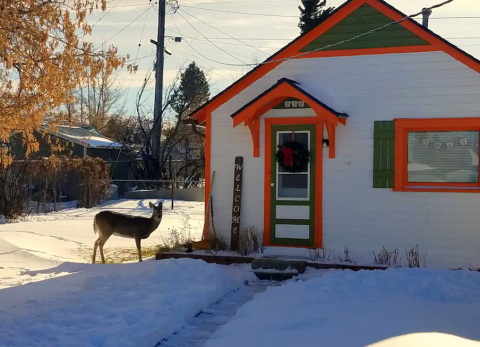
point(397, 164)
point(80, 142)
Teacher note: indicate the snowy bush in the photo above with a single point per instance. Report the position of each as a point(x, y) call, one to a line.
point(178, 238)
point(346, 258)
point(385, 257)
point(218, 243)
point(250, 241)
point(321, 254)
point(413, 257)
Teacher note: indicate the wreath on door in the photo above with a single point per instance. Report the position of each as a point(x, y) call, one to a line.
point(292, 156)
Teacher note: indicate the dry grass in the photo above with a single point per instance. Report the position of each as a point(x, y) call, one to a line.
point(119, 255)
point(250, 241)
point(386, 257)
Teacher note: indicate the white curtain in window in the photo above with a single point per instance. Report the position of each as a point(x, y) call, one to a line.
point(443, 156)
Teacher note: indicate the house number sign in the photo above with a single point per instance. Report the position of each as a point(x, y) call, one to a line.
point(237, 201)
point(294, 104)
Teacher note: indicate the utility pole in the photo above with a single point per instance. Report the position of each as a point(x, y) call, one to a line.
point(157, 113)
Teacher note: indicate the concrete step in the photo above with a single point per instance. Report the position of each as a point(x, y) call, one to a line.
point(275, 275)
point(279, 264)
point(277, 269)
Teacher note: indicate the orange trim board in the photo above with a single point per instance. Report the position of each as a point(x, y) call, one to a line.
point(318, 179)
point(402, 127)
point(282, 91)
point(425, 34)
point(254, 126)
point(286, 52)
point(370, 51)
point(208, 148)
point(437, 44)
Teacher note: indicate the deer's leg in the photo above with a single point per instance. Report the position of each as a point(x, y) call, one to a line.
point(95, 250)
point(138, 241)
point(100, 245)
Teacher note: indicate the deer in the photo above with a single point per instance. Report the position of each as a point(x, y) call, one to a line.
point(108, 223)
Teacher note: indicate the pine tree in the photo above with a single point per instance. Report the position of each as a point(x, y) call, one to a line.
point(193, 91)
point(312, 14)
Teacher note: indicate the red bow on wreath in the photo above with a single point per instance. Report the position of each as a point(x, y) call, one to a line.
point(287, 156)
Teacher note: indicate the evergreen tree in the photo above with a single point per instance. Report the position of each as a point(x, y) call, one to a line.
point(312, 14)
point(193, 91)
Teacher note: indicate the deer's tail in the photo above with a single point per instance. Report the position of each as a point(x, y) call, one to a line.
point(95, 225)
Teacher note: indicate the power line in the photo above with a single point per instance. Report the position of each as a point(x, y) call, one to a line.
point(460, 17)
point(116, 5)
point(238, 12)
point(125, 27)
point(240, 55)
point(189, 45)
point(193, 55)
point(286, 39)
point(344, 41)
point(124, 6)
point(138, 51)
point(207, 69)
point(210, 42)
point(284, 16)
point(185, 19)
point(134, 62)
point(246, 44)
point(242, 2)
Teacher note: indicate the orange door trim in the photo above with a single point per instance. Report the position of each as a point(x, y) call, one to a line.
point(318, 180)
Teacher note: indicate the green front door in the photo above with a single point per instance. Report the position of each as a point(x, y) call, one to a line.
point(293, 194)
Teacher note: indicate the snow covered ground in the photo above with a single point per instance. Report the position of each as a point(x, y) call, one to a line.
point(390, 308)
point(50, 296)
point(48, 240)
point(136, 304)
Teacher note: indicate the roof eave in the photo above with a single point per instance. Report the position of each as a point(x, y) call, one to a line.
point(295, 85)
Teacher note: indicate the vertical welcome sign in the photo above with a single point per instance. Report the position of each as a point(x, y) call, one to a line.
point(237, 203)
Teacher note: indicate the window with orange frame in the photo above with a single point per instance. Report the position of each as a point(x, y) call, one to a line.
point(437, 155)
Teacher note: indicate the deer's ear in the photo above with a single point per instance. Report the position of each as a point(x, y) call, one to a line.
point(151, 205)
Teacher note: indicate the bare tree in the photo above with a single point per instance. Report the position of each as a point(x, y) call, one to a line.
point(98, 102)
point(176, 139)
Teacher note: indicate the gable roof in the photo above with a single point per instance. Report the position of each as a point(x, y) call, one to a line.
point(437, 43)
point(88, 137)
point(294, 85)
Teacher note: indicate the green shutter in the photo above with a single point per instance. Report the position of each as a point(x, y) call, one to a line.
point(383, 154)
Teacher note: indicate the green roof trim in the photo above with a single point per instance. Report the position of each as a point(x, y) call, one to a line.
point(362, 20)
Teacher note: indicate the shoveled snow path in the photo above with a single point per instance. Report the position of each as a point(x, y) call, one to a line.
point(205, 323)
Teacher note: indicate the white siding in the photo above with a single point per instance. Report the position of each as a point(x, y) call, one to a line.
point(368, 88)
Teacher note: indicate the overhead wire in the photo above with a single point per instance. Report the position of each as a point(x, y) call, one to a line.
point(187, 5)
point(125, 27)
point(342, 41)
point(186, 20)
point(106, 14)
point(138, 50)
point(205, 68)
point(239, 12)
point(204, 57)
point(211, 26)
point(241, 2)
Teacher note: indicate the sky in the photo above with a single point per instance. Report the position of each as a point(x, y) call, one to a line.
point(217, 33)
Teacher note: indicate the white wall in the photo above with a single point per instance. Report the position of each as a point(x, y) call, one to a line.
point(368, 88)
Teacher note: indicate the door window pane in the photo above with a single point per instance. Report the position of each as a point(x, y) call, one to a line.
point(293, 186)
point(303, 138)
point(299, 137)
point(443, 156)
